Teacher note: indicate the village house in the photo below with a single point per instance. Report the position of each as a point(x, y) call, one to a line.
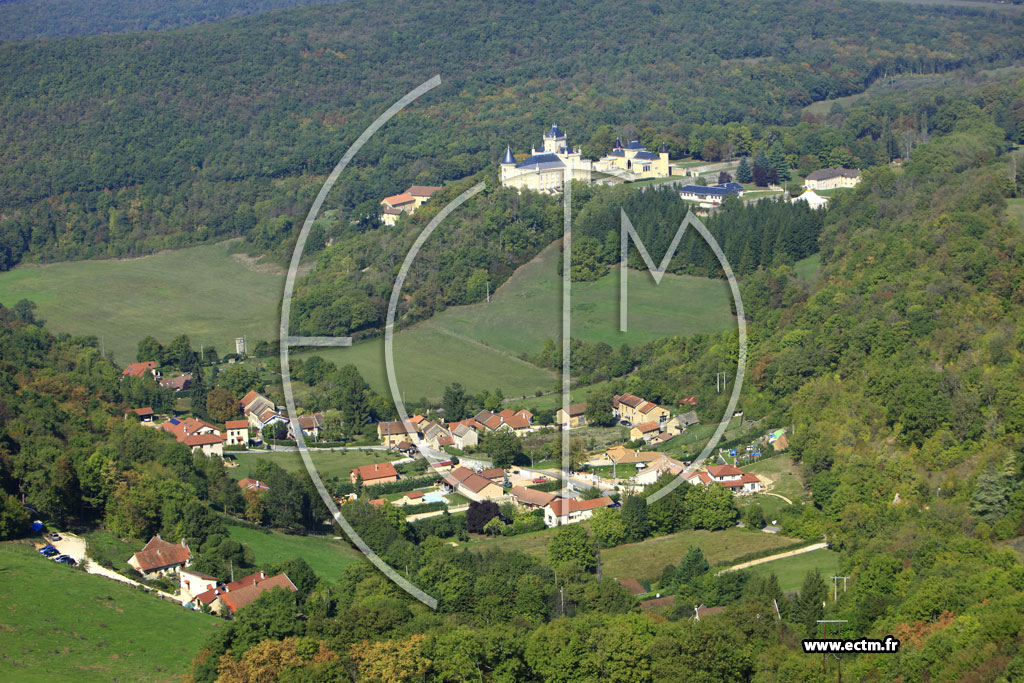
point(572, 510)
point(574, 415)
point(635, 410)
point(464, 436)
point(236, 432)
point(394, 432)
point(312, 426)
point(618, 455)
point(678, 424)
point(530, 499)
point(831, 178)
point(261, 412)
point(179, 383)
point(208, 444)
point(727, 476)
point(160, 558)
point(518, 422)
point(468, 483)
point(197, 435)
point(654, 471)
point(144, 414)
point(191, 583)
point(375, 473)
point(141, 368)
point(237, 594)
point(412, 498)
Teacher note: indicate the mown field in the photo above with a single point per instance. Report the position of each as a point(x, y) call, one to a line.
point(479, 345)
point(326, 556)
point(328, 463)
point(646, 559)
point(792, 570)
point(203, 292)
point(786, 476)
point(61, 624)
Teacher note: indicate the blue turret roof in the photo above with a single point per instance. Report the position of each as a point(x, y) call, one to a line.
point(508, 158)
point(618, 143)
point(555, 132)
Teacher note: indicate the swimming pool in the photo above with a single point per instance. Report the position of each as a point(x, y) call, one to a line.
point(434, 497)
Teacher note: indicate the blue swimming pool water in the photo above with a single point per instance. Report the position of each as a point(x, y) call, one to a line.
point(434, 497)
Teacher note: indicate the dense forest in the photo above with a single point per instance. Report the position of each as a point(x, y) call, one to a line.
point(210, 134)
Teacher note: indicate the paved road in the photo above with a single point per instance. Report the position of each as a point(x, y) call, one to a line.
point(75, 546)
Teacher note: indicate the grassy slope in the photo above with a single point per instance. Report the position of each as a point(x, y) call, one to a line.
point(792, 570)
point(60, 624)
point(784, 473)
point(807, 269)
point(328, 463)
point(645, 560)
point(202, 292)
point(478, 345)
point(326, 556)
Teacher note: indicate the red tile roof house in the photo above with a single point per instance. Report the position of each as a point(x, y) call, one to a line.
point(141, 368)
point(159, 558)
point(237, 594)
point(376, 473)
point(530, 498)
point(144, 414)
point(572, 510)
point(237, 432)
point(311, 425)
point(197, 435)
point(179, 383)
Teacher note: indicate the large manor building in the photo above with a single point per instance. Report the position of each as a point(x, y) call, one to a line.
point(545, 170)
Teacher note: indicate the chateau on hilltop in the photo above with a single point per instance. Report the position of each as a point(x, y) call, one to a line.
point(544, 171)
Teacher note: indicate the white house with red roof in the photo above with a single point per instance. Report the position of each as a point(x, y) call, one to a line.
point(236, 432)
point(406, 202)
point(197, 435)
point(191, 583)
point(237, 594)
point(727, 476)
point(140, 369)
point(160, 558)
point(572, 510)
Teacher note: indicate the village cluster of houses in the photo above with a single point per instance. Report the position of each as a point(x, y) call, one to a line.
point(649, 421)
point(463, 434)
point(160, 558)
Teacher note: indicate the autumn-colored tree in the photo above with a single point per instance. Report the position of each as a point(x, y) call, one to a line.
point(221, 405)
point(392, 661)
point(267, 660)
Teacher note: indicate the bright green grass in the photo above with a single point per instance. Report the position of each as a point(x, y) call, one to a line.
point(808, 268)
point(478, 345)
point(325, 556)
point(61, 624)
point(328, 463)
point(792, 570)
point(786, 476)
point(202, 292)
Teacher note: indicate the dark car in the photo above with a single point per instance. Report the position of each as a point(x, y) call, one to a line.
point(66, 559)
point(49, 553)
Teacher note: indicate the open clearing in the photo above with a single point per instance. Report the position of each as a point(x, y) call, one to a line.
point(203, 292)
point(479, 345)
point(646, 559)
point(326, 556)
point(781, 470)
point(328, 463)
point(792, 570)
point(61, 624)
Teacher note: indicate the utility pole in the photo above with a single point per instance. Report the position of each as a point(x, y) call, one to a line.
point(835, 586)
point(838, 655)
point(488, 291)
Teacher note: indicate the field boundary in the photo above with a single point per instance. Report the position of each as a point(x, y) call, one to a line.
point(779, 556)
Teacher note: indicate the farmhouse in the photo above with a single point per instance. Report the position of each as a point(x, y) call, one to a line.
point(407, 202)
point(678, 424)
point(376, 473)
point(160, 558)
point(646, 431)
point(261, 411)
point(464, 436)
point(572, 416)
point(180, 383)
point(635, 410)
point(197, 435)
point(618, 455)
point(518, 422)
point(831, 178)
point(727, 476)
point(392, 433)
point(208, 444)
point(572, 510)
point(237, 594)
point(544, 170)
point(192, 583)
point(311, 425)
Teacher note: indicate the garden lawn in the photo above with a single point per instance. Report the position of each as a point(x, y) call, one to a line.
point(61, 624)
point(326, 556)
point(328, 463)
point(781, 470)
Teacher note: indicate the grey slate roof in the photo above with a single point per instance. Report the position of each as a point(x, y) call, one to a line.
point(541, 161)
point(508, 158)
point(555, 132)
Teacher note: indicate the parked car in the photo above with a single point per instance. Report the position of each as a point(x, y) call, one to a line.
point(49, 553)
point(539, 480)
point(54, 536)
point(46, 547)
point(66, 559)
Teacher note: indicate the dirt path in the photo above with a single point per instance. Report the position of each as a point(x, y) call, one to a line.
point(779, 495)
point(75, 546)
point(791, 553)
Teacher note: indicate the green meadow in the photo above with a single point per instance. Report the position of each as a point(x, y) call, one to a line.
point(791, 570)
point(479, 345)
point(326, 556)
point(61, 624)
point(204, 292)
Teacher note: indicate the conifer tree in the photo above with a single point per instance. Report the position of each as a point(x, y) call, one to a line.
point(743, 172)
point(777, 160)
